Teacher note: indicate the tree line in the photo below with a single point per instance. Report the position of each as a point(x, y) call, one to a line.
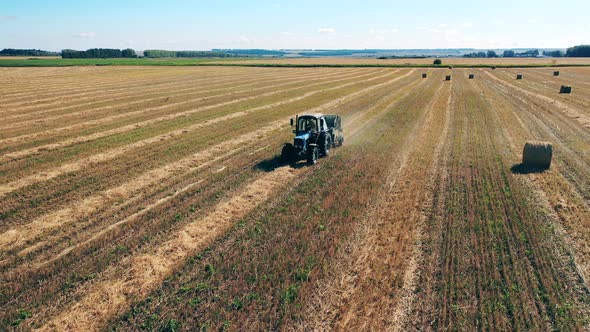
point(186, 54)
point(505, 54)
point(98, 53)
point(488, 54)
point(30, 52)
point(578, 51)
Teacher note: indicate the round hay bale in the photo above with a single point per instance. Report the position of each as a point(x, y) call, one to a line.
point(448, 78)
point(424, 75)
point(565, 89)
point(537, 154)
point(471, 76)
point(519, 77)
point(556, 73)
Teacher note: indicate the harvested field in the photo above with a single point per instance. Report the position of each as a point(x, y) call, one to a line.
point(153, 198)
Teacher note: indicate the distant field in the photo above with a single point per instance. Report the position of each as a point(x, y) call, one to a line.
point(152, 198)
point(292, 62)
point(425, 61)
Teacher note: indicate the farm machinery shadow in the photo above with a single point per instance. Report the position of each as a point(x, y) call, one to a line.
point(269, 165)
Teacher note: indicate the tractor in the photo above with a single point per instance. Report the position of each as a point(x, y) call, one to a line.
point(315, 136)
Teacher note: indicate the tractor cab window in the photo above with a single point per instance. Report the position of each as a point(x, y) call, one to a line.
point(307, 124)
point(323, 125)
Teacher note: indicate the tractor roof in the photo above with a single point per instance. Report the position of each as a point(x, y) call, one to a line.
point(315, 115)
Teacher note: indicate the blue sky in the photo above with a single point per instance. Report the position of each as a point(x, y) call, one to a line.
point(197, 25)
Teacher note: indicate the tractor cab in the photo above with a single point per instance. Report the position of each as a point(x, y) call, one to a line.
point(310, 124)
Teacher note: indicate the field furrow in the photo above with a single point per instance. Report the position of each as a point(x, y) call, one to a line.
point(274, 226)
point(133, 112)
point(73, 97)
point(105, 106)
point(23, 88)
point(497, 264)
point(13, 234)
point(155, 198)
point(113, 153)
point(572, 139)
point(565, 189)
point(173, 236)
point(136, 125)
point(366, 292)
point(576, 113)
point(339, 103)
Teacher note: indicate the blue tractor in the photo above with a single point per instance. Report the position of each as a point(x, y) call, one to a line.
point(315, 136)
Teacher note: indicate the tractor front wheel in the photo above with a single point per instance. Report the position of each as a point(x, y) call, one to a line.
point(312, 155)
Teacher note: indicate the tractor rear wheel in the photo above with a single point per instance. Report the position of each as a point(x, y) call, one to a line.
point(312, 155)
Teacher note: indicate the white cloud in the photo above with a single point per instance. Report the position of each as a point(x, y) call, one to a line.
point(498, 21)
point(467, 25)
point(84, 35)
point(395, 30)
point(326, 30)
point(532, 21)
